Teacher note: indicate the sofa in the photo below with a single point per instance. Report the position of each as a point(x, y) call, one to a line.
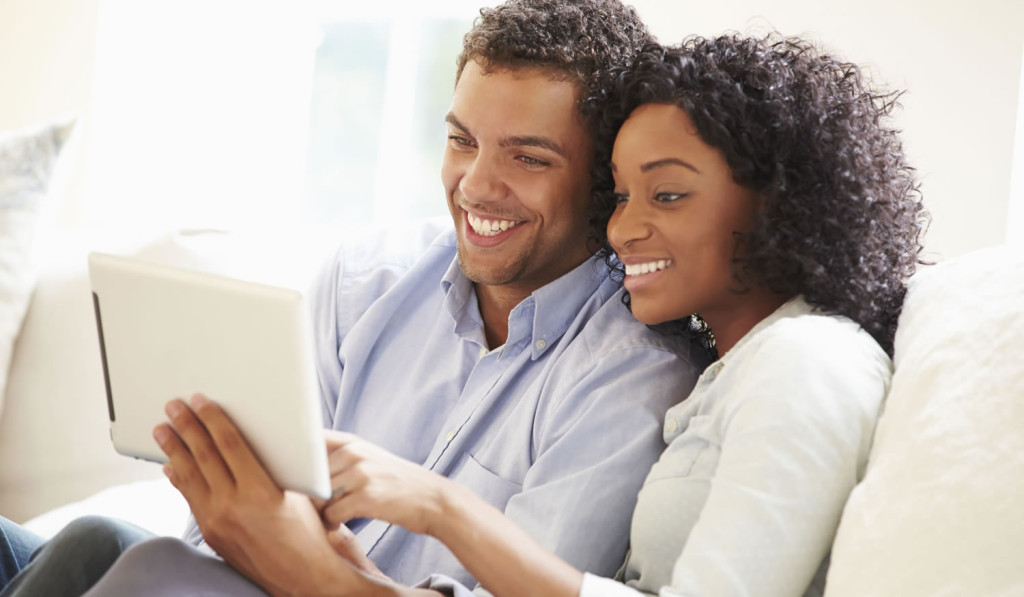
point(938, 512)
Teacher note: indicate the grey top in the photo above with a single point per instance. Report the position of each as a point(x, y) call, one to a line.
point(762, 456)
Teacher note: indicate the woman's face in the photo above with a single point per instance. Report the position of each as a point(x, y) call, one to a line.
point(676, 221)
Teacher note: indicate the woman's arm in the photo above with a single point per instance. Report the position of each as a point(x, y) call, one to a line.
point(373, 483)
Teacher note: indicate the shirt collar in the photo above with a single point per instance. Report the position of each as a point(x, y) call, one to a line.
point(542, 318)
point(458, 298)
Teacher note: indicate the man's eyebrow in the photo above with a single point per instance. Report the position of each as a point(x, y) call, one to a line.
point(515, 140)
point(665, 162)
point(452, 120)
point(532, 141)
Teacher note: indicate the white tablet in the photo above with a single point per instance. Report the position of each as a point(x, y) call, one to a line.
point(169, 333)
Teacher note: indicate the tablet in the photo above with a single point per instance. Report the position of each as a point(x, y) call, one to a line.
point(167, 333)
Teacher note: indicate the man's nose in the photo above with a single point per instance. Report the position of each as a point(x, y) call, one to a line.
point(482, 181)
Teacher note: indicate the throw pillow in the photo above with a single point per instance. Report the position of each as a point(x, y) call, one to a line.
point(28, 159)
point(939, 510)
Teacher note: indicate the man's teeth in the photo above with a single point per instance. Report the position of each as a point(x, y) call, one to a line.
point(639, 269)
point(489, 227)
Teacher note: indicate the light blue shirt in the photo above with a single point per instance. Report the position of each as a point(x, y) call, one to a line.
point(557, 428)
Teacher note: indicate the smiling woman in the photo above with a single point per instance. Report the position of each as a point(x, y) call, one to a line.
point(674, 227)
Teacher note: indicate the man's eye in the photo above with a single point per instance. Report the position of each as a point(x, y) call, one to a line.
point(460, 140)
point(532, 161)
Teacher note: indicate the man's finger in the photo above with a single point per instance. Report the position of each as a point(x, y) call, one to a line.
point(200, 445)
point(239, 458)
point(180, 468)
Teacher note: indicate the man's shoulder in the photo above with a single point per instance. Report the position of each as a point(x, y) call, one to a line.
point(613, 329)
point(397, 248)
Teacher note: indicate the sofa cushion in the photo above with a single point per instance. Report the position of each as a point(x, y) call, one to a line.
point(939, 509)
point(28, 159)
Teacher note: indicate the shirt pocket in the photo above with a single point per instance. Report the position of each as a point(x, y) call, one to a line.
point(493, 488)
point(690, 449)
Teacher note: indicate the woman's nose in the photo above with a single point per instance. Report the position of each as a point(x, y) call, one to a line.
point(629, 222)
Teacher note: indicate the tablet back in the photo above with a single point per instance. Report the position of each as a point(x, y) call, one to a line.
point(169, 333)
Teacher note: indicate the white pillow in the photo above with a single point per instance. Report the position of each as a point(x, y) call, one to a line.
point(154, 505)
point(941, 508)
point(28, 159)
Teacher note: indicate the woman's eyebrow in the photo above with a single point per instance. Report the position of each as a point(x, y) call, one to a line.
point(647, 167)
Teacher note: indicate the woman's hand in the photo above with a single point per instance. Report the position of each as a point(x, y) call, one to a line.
point(347, 546)
point(370, 482)
point(274, 537)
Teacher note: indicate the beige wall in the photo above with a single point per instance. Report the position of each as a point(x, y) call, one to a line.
point(960, 64)
point(46, 64)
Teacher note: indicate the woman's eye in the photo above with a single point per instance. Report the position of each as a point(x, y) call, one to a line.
point(620, 198)
point(669, 197)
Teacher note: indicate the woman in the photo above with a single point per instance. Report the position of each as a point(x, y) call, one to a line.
point(757, 184)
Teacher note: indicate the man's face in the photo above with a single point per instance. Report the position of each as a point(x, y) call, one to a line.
point(516, 172)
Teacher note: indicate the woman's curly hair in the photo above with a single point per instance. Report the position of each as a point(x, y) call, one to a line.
point(843, 219)
point(580, 40)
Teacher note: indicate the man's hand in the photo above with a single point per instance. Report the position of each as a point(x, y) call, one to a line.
point(370, 482)
point(274, 537)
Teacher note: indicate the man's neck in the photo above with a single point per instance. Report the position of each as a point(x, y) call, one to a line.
point(496, 302)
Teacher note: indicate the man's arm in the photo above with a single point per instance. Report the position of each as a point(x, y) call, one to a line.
point(276, 538)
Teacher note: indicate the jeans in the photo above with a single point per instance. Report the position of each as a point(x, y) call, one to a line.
point(16, 548)
point(68, 564)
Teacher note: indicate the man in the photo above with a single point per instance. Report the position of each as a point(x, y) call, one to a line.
point(502, 357)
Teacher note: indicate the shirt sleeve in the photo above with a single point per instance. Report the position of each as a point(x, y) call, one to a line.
point(795, 438)
point(360, 272)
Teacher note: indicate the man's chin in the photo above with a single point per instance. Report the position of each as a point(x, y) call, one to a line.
point(488, 270)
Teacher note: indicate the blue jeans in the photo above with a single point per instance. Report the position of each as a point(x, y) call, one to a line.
point(66, 565)
point(16, 548)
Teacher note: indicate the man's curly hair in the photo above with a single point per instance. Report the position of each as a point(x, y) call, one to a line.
point(578, 40)
point(843, 219)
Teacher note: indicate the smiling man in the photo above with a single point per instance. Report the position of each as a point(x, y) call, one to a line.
point(516, 171)
point(502, 357)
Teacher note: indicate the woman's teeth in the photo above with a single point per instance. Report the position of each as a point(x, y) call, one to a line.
point(639, 269)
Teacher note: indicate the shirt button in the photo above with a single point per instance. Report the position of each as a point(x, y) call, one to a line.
point(540, 344)
point(448, 436)
point(671, 425)
point(483, 352)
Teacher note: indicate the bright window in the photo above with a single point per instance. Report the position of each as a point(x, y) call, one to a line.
point(241, 114)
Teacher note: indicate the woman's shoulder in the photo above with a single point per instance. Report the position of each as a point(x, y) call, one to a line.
point(805, 361)
point(805, 334)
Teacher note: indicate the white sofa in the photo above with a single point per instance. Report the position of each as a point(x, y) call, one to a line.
point(939, 511)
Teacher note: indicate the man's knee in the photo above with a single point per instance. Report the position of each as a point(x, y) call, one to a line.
point(95, 538)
